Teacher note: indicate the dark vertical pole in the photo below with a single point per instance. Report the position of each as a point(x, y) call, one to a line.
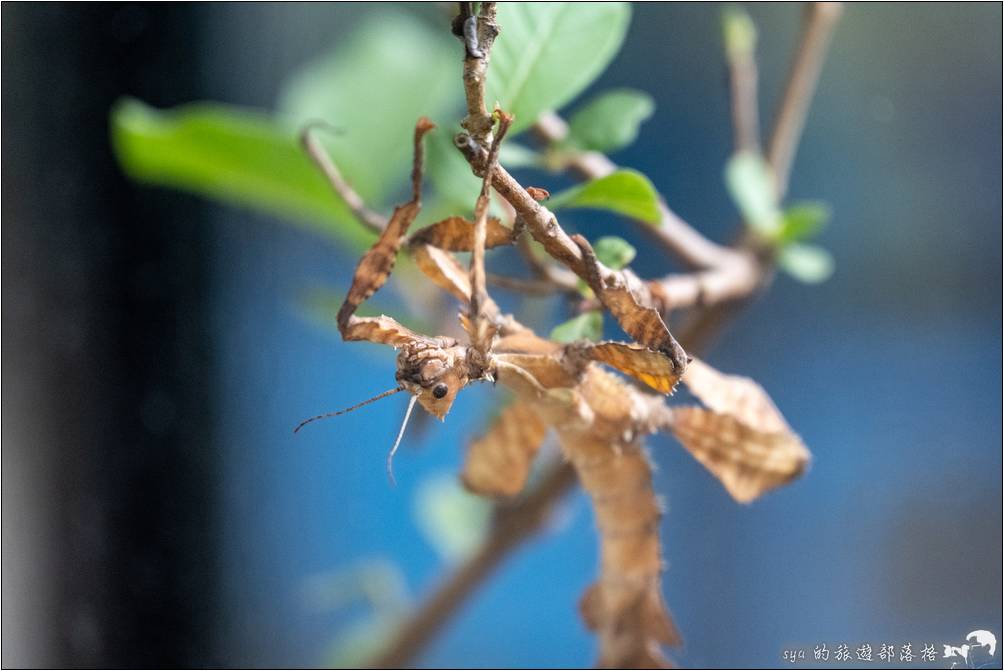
point(107, 457)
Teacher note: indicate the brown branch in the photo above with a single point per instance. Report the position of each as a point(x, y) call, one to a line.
point(735, 274)
point(820, 20)
point(740, 43)
point(479, 34)
point(672, 232)
point(367, 217)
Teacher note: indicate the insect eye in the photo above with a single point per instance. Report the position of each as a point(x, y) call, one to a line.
point(439, 391)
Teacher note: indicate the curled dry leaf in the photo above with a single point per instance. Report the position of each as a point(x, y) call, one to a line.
point(741, 436)
point(456, 234)
point(653, 368)
point(497, 463)
point(642, 323)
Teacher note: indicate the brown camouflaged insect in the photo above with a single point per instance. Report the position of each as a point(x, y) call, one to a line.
point(600, 419)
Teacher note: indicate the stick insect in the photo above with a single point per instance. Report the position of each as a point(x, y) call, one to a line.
point(600, 418)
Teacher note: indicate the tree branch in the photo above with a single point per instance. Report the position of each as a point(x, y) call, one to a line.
point(367, 217)
point(479, 33)
point(740, 44)
point(820, 20)
point(727, 273)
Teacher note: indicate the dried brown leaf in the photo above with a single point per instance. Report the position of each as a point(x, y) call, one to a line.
point(618, 292)
point(653, 368)
point(443, 269)
point(748, 462)
point(741, 437)
point(456, 234)
point(497, 463)
point(734, 395)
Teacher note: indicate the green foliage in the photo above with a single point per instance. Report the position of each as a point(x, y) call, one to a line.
point(614, 252)
point(609, 121)
point(807, 263)
point(233, 154)
point(373, 86)
point(587, 326)
point(626, 192)
point(453, 520)
point(549, 52)
point(751, 183)
point(803, 221)
point(371, 89)
point(374, 582)
point(753, 188)
point(514, 155)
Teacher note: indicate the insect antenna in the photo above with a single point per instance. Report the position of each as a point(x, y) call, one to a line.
point(400, 434)
point(355, 407)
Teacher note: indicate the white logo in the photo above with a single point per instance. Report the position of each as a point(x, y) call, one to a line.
point(977, 653)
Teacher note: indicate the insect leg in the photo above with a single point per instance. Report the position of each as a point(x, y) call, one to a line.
point(376, 265)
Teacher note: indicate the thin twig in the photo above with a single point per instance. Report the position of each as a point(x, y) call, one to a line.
point(672, 232)
point(367, 217)
point(479, 293)
point(820, 20)
point(740, 43)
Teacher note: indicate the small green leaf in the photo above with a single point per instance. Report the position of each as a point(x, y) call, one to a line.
point(236, 155)
point(610, 121)
point(514, 155)
point(739, 32)
point(807, 263)
point(802, 221)
point(614, 252)
point(626, 192)
point(587, 326)
point(549, 52)
point(453, 520)
point(751, 183)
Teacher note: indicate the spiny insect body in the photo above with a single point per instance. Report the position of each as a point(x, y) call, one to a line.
point(599, 418)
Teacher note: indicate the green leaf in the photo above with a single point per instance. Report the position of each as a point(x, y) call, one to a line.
point(233, 154)
point(610, 121)
point(360, 641)
point(587, 326)
point(447, 169)
point(373, 86)
point(751, 183)
point(739, 32)
point(514, 155)
point(549, 52)
point(626, 192)
point(807, 263)
point(614, 252)
point(802, 221)
point(453, 520)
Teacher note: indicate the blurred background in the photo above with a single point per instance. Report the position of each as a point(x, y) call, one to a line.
point(157, 509)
